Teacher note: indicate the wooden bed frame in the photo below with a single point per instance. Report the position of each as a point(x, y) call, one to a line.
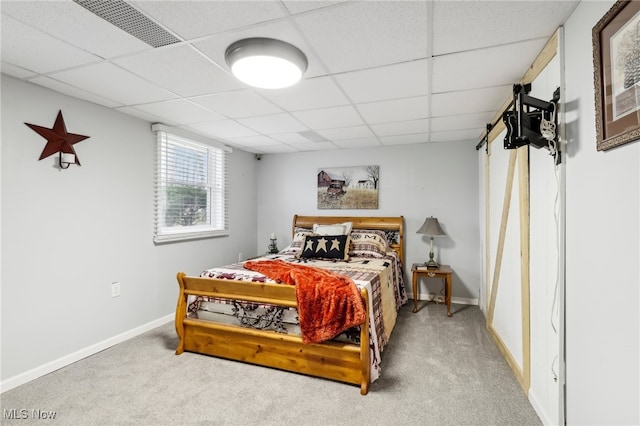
point(331, 360)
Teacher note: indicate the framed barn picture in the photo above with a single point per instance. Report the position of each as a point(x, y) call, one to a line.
point(348, 187)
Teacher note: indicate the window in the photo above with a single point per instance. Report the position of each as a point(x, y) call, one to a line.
point(190, 187)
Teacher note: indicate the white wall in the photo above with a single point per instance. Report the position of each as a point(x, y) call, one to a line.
point(416, 181)
point(68, 234)
point(602, 250)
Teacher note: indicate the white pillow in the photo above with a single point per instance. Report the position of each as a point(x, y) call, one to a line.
point(334, 229)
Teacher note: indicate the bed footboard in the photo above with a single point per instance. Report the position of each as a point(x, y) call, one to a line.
point(331, 360)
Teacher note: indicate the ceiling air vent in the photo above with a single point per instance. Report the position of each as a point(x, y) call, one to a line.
point(313, 136)
point(129, 19)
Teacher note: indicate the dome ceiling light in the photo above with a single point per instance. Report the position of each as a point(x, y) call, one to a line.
point(266, 63)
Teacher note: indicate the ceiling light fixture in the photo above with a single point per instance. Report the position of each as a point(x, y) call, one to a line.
point(266, 63)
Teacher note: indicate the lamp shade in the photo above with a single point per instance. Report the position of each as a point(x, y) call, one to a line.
point(431, 227)
point(266, 63)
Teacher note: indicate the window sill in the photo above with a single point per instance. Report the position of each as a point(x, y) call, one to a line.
point(188, 236)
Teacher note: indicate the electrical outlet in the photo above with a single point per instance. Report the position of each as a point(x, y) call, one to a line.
point(115, 289)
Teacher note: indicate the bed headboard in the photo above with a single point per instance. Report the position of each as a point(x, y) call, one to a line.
point(388, 223)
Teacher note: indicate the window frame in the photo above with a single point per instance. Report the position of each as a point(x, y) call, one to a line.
point(216, 183)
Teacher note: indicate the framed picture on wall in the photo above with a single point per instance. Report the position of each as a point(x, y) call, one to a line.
point(616, 66)
point(348, 187)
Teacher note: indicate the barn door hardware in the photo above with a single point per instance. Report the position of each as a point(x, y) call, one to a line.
point(532, 121)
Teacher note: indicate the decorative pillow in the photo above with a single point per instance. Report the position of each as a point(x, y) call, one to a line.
point(334, 229)
point(368, 243)
point(334, 247)
point(298, 241)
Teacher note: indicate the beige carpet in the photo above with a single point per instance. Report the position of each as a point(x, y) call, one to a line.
point(436, 371)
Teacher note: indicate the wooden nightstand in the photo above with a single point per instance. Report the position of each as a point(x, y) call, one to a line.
point(443, 271)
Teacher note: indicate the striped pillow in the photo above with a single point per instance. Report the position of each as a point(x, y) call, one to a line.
point(368, 243)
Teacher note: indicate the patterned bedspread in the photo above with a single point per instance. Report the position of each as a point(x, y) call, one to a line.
point(382, 277)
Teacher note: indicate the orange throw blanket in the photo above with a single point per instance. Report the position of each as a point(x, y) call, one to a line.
point(328, 303)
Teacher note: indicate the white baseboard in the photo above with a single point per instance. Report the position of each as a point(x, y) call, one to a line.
point(57, 364)
point(464, 301)
point(538, 409)
point(456, 300)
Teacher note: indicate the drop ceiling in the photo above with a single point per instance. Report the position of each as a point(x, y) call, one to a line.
point(380, 72)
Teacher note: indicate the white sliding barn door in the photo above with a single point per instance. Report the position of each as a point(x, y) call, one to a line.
point(508, 285)
point(520, 221)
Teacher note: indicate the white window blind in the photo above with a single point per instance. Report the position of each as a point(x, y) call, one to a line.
point(190, 189)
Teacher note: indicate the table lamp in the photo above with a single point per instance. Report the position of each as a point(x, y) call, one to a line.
point(273, 248)
point(432, 228)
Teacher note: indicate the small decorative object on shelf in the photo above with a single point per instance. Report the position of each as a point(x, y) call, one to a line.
point(273, 248)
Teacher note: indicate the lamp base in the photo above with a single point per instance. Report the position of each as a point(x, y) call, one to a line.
point(431, 264)
point(273, 248)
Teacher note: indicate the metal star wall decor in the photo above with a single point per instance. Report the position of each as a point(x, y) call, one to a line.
point(58, 139)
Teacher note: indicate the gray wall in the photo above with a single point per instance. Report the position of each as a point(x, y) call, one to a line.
point(602, 250)
point(416, 181)
point(67, 235)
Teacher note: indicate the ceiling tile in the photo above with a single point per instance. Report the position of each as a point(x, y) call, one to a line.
point(246, 149)
point(180, 111)
point(238, 103)
point(393, 81)
point(109, 81)
point(457, 135)
point(355, 36)
point(67, 89)
point(15, 71)
point(222, 129)
point(357, 143)
point(193, 19)
point(46, 54)
point(297, 6)
point(254, 141)
point(468, 101)
point(460, 71)
point(313, 93)
point(135, 112)
point(347, 133)
point(327, 118)
point(273, 124)
point(395, 110)
point(274, 149)
point(316, 146)
point(401, 127)
point(461, 122)
point(289, 138)
point(180, 69)
point(463, 25)
point(75, 25)
point(405, 139)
